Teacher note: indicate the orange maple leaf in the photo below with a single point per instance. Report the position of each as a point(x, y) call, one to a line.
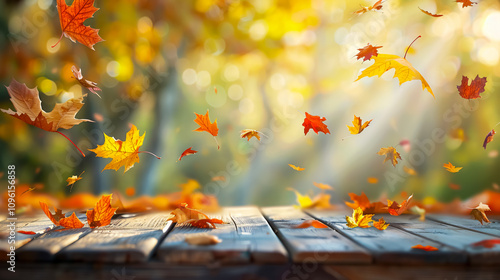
point(367, 52)
point(249, 133)
point(322, 186)
point(188, 151)
point(205, 125)
point(311, 223)
point(72, 18)
point(488, 138)
point(390, 154)
point(316, 123)
point(451, 168)
point(429, 13)
point(466, 3)
point(425, 248)
point(487, 243)
point(372, 180)
point(473, 90)
point(396, 209)
point(358, 125)
point(380, 224)
point(59, 219)
point(298, 168)
point(102, 213)
point(376, 6)
point(72, 180)
point(91, 86)
point(364, 203)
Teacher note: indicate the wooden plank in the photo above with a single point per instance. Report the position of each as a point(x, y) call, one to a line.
point(457, 237)
point(323, 245)
point(467, 222)
point(246, 237)
point(129, 238)
point(393, 245)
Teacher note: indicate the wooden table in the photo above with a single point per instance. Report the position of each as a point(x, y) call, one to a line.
point(258, 243)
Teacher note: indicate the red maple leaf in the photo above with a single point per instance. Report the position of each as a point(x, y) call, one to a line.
point(316, 123)
point(476, 87)
point(188, 151)
point(367, 52)
point(466, 3)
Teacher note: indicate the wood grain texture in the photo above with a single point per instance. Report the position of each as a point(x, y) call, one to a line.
point(467, 222)
point(323, 245)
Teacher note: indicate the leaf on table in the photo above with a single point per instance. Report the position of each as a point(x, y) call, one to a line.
point(184, 214)
point(396, 209)
point(364, 203)
point(473, 90)
point(188, 151)
point(27, 232)
point(487, 243)
point(322, 186)
point(358, 219)
point(315, 123)
point(478, 213)
point(249, 133)
point(205, 125)
point(466, 3)
point(358, 125)
point(390, 154)
point(429, 13)
point(311, 223)
point(375, 7)
point(59, 219)
point(72, 18)
point(202, 239)
point(296, 167)
point(488, 138)
point(380, 224)
point(91, 86)
point(367, 52)
point(427, 248)
point(451, 168)
point(404, 70)
point(102, 213)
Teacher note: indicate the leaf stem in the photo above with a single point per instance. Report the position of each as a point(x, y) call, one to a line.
point(57, 41)
point(71, 143)
point(218, 146)
point(410, 46)
point(147, 152)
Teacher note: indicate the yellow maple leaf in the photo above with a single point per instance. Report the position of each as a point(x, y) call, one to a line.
point(358, 219)
point(390, 154)
point(304, 201)
point(450, 167)
point(298, 168)
point(249, 133)
point(404, 70)
point(359, 126)
point(380, 224)
point(72, 180)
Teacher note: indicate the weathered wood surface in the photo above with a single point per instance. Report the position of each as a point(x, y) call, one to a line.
point(246, 237)
point(453, 236)
point(323, 245)
point(467, 222)
point(392, 245)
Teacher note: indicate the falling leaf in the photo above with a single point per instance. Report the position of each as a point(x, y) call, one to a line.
point(311, 223)
point(91, 86)
point(478, 213)
point(296, 167)
point(59, 219)
point(473, 90)
point(358, 219)
point(189, 187)
point(184, 214)
point(28, 190)
point(396, 209)
point(72, 180)
point(102, 213)
point(372, 180)
point(321, 201)
point(322, 186)
point(451, 168)
point(430, 14)
point(123, 153)
point(205, 125)
point(202, 239)
point(390, 154)
point(219, 178)
point(98, 117)
point(130, 191)
point(418, 211)
point(215, 90)
point(316, 123)
point(487, 243)
point(249, 133)
point(466, 3)
point(72, 18)
point(358, 126)
point(427, 248)
point(304, 201)
point(404, 70)
point(405, 144)
point(488, 138)
point(454, 186)
point(380, 224)
point(377, 6)
point(409, 171)
point(367, 52)
point(364, 203)
point(188, 151)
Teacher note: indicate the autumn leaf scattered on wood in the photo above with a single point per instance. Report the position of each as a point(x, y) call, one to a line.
point(27, 232)
point(380, 224)
point(59, 219)
point(321, 201)
point(473, 90)
point(205, 125)
point(358, 219)
point(188, 151)
point(404, 70)
point(375, 7)
point(29, 109)
point(249, 133)
point(358, 125)
point(72, 180)
point(451, 168)
point(311, 223)
point(296, 167)
point(367, 52)
point(466, 3)
point(322, 186)
point(396, 209)
point(390, 154)
point(488, 138)
point(487, 243)
point(426, 248)
point(478, 213)
point(72, 18)
point(418, 211)
point(315, 123)
point(202, 239)
point(91, 86)
point(123, 153)
point(184, 214)
point(429, 13)
point(364, 203)
point(102, 213)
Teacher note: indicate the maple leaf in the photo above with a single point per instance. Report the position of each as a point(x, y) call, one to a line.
point(29, 109)
point(376, 6)
point(72, 180)
point(102, 213)
point(380, 224)
point(124, 153)
point(372, 180)
point(427, 248)
point(466, 3)
point(429, 13)
point(451, 168)
point(188, 151)
point(358, 125)
point(358, 219)
point(311, 223)
point(249, 133)
point(364, 203)
point(296, 167)
point(473, 90)
point(72, 18)
point(316, 123)
point(92, 86)
point(488, 138)
point(487, 243)
point(321, 201)
point(322, 186)
point(59, 219)
point(184, 214)
point(390, 154)
point(205, 125)
point(478, 212)
point(409, 171)
point(396, 209)
point(367, 52)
